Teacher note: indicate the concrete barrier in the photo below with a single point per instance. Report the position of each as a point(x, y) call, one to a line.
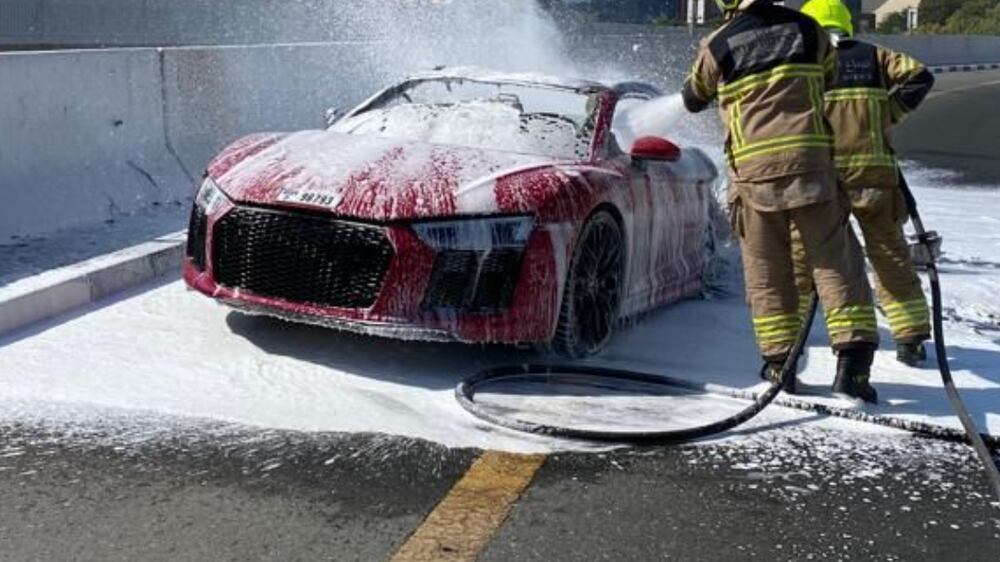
point(88, 135)
point(82, 139)
point(944, 50)
point(215, 95)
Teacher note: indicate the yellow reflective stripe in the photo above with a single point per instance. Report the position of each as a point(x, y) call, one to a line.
point(860, 320)
point(777, 73)
point(792, 327)
point(781, 328)
point(909, 320)
point(914, 304)
point(775, 319)
point(864, 160)
point(735, 113)
point(781, 144)
point(841, 94)
point(839, 329)
point(849, 318)
point(697, 83)
point(782, 338)
point(876, 122)
point(816, 93)
point(789, 333)
point(831, 59)
point(851, 324)
point(778, 328)
point(846, 311)
point(907, 314)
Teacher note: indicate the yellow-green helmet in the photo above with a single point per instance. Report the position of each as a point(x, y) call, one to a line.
point(728, 5)
point(831, 14)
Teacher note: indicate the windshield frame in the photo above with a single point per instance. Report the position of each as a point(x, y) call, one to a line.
point(602, 114)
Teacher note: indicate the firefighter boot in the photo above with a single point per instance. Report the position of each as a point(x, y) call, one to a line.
point(771, 372)
point(854, 367)
point(912, 354)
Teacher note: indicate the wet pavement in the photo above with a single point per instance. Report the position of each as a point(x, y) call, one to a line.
point(218, 493)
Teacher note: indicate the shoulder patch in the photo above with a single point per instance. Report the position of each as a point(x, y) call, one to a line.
point(766, 46)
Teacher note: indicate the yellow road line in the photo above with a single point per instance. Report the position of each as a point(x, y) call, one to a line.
point(461, 526)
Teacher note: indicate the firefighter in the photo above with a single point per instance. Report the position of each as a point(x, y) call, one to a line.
point(875, 89)
point(768, 67)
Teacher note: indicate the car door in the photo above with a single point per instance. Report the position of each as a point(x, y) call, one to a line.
point(668, 222)
point(636, 203)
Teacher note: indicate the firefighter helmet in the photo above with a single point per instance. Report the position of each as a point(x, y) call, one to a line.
point(831, 14)
point(728, 5)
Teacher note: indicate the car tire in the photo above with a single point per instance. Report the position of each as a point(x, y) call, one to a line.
point(593, 291)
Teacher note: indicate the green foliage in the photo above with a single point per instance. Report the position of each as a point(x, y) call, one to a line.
point(937, 12)
point(893, 23)
point(975, 17)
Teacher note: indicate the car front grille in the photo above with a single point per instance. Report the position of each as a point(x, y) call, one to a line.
point(300, 258)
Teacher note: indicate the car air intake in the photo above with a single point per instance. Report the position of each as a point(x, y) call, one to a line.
point(474, 281)
point(197, 227)
point(300, 258)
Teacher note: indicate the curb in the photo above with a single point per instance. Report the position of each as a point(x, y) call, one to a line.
point(59, 291)
point(964, 67)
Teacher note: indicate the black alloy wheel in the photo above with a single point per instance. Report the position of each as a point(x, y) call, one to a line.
point(593, 291)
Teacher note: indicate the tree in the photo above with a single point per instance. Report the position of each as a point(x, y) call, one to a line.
point(894, 23)
point(974, 17)
point(937, 12)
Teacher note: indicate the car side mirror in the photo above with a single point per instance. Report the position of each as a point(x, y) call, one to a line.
point(332, 115)
point(656, 149)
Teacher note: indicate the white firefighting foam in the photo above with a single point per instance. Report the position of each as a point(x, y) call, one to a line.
point(658, 117)
point(169, 352)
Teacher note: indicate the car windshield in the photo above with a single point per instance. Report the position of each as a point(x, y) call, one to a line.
point(497, 116)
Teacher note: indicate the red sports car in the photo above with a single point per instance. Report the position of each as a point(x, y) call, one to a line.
point(459, 205)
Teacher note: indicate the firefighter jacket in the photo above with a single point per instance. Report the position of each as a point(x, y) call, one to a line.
point(875, 89)
point(769, 67)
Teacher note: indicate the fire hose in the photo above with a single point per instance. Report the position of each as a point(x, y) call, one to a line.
point(466, 390)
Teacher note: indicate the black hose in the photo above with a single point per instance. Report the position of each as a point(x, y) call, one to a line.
point(975, 438)
point(466, 390)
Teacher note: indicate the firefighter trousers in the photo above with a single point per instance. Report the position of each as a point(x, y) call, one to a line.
point(838, 270)
point(881, 213)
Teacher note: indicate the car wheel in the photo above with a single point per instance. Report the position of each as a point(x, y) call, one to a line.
point(593, 290)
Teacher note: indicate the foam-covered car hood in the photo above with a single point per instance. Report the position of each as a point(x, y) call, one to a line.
point(367, 177)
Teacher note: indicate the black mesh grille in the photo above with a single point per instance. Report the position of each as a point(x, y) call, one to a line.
point(196, 237)
point(301, 258)
point(497, 279)
point(474, 281)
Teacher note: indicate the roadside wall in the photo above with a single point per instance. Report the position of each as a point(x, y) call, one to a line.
point(86, 136)
point(81, 139)
point(215, 95)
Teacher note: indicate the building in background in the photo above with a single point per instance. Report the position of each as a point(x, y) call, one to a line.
point(876, 12)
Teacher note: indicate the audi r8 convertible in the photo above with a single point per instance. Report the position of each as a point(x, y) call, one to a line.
point(459, 205)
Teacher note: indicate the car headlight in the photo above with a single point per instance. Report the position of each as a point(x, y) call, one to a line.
point(210, 197)
point(476, 234)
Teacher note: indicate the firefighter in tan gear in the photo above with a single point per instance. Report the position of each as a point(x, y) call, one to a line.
point(875, 89)
point(768, 67)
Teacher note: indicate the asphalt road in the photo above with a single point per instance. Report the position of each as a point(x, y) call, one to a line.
point(214, 493)
point(958, 127)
